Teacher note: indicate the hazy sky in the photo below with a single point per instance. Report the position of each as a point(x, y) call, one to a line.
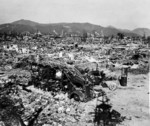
point(126, 14)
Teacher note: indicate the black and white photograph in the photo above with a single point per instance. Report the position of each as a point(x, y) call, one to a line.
point(74, 62)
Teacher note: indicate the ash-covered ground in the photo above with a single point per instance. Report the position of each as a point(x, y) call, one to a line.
point(50, 82)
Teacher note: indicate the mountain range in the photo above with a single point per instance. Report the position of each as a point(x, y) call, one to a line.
point(59, 28)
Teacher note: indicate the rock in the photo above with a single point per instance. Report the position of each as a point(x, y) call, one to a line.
point(72, 119)
point(135, 66)
point(60, 96)
point(61, 109)
point(61, 102)
point(2, 123)
point(26, 123)
point(68, 110)
point(54, 123)
point(46, 125)
point(111, 85)
point(60, 54)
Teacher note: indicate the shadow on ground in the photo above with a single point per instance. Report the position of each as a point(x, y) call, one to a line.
point(105, 116)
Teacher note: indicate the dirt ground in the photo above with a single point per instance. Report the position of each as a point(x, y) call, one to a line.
point(131, 101)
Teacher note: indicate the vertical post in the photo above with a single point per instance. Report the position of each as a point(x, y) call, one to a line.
point(124, 75)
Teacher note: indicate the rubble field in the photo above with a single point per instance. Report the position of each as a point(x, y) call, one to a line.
point(48, 82)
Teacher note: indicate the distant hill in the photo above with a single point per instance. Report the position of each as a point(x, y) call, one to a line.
point(25, 22)
point(57, 28)
point(142, 31)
